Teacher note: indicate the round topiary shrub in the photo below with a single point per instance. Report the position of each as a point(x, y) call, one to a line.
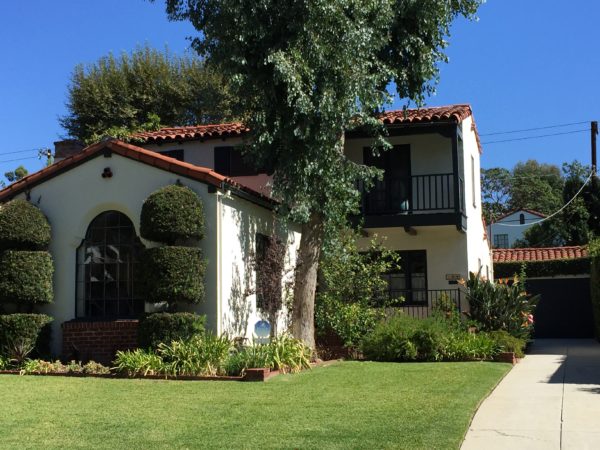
point(26, 277)
point(174, 275)
point(23, 226)
point(166, 327)
point(172, 215)
point(20, 333)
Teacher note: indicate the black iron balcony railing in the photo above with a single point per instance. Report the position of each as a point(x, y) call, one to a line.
point(415, 194)
point(421, 303)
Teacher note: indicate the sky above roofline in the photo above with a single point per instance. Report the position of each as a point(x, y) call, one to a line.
point(522, 65)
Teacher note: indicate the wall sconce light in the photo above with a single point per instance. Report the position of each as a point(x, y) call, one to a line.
point(107, 173)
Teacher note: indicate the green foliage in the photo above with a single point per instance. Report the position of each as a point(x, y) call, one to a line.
point(16, 175)
point(173, 275)
point(501, 306)
point(404, 338)
point(537, 186)
point(495, 192)
point(138, 362)
point(166, 327)
point(350, 322)
point(173, 214)
point(348, 303)
point(19, 334)
point(594, 249)
point(543, 268)
point(209, 355)
point(32, 366)
point(202, 355)
point(508, 343)
point(119, 94)
point(26, 277)
point(23, 226)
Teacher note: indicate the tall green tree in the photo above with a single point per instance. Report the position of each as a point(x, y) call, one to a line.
point(495, 192)
point(536, 186)
point(16, 175)
point(305, 72)
point(140, 90)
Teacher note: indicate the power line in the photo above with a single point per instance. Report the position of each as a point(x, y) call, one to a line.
point(19, 159)
point(24, 151)
point(534, 137)
point(554, 213)
point(533, 129)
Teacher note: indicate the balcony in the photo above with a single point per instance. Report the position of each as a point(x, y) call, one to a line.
point(419, 200)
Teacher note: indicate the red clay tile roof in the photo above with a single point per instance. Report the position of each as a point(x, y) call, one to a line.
point(450, 113)
point(538, 254)
point(530, 211)
point(220, 130)
point(142, 155)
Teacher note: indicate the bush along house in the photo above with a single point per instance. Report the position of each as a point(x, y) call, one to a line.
point(427, 207)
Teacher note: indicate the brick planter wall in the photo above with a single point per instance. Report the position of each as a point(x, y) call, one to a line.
point(98, 341)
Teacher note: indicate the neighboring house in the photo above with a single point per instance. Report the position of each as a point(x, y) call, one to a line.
point(427, 207)
point(95, 198)
point(509, 228)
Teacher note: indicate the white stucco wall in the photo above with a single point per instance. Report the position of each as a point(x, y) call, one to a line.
point(513, 232)
point(197, 152)
point(445, 247)
point(74, 198)
point(240, 221)
point(478, 248)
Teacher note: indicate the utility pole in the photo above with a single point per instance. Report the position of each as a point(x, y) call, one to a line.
point(594, 131)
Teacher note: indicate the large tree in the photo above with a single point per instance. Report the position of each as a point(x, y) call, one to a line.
point(119, 94)
point(536, 186)
point(495, 191)
point(306, 72)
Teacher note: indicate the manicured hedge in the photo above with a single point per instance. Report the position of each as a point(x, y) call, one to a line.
point(166, 327)
point(19, 334)
point(595, 293)
point(172, 215)
point(543, 268)
point(173, 275)
point(26, 277)
point(23, 226)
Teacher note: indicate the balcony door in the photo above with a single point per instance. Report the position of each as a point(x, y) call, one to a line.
point(392, 194)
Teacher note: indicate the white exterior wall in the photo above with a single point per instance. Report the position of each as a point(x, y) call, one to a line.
point(196, 152)
point(478, 248)
point(513, 232)
point(73, 199)
point(240, 221)
point(445, 247)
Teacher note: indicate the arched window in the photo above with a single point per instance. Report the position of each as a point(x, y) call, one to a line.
point(522, 219)
point(107, 261)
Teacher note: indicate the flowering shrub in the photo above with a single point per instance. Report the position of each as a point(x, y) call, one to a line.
point(504, 305)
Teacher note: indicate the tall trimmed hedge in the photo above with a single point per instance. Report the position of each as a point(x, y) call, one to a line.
point(174, 275)
point(26, 277)
point(156, 328)
point(23, 226)
point(543, 268)
point(172, 215)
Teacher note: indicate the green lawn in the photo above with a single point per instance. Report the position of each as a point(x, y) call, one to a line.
point(345, 405)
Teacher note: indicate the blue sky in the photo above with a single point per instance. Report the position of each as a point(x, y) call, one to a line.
point(524, 64)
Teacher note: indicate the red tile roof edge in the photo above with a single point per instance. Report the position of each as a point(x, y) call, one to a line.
point(130, 151)
point(447, 113)
point(530, 211)
point(504, 255)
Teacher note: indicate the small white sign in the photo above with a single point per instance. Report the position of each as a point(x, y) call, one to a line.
point(453, 276)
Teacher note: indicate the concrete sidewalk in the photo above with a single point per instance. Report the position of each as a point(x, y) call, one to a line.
point(550, 400)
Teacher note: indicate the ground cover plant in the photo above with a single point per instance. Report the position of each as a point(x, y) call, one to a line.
point(209, 355)
point(346, 405)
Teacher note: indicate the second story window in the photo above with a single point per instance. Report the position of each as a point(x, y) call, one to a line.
point(230, 161)
point(176, 154)
point(522, 219)
point(501, 241)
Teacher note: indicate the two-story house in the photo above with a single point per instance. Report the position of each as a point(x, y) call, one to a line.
point(427, 207)
point(511, 227)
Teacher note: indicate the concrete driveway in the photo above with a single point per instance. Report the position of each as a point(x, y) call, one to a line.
point(550, 400)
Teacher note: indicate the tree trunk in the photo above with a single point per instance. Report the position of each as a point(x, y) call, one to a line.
point(303, 309)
